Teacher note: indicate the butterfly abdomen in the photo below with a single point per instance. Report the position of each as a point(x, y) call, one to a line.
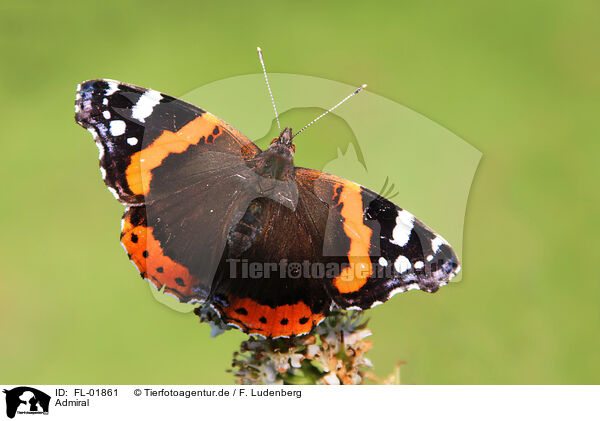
point(242, 235)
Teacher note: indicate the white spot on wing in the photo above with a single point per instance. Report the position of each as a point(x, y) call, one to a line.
point(117, 127)
point(403, 289)
point(106, 114)
point(454, 273)
point(402, 264)
point(395, 291)
point(112, 88)
point(143, 108)
point(429, 258)
point(105, 101)
point(114, 192)
point(436, 243)
point(100, 150)
point(419, 265)
point(132, 141)
point(93, 132)
point(383, 262)
point(403, 228)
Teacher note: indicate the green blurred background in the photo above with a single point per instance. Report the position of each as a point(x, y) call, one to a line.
point(518, 80)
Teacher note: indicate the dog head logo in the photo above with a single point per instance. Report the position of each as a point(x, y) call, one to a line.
point(26, 400)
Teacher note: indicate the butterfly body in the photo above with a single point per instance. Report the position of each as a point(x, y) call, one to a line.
point(212, 219)
point(277, 161)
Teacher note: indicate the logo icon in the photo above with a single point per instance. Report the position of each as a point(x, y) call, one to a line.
point(26, 400)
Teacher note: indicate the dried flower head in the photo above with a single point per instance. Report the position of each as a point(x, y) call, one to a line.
point(333, 353)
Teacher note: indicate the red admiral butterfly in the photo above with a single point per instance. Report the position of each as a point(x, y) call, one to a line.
point(213, 219)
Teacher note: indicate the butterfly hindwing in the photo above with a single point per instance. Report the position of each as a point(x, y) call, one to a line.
point(263, 290)
point(145, 252)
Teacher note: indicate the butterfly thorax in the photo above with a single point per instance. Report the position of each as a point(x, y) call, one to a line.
point(277, 162)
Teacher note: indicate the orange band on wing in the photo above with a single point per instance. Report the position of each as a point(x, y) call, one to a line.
point(139, 172)
point(285, 320)
point(353, 277)
point(147, 255)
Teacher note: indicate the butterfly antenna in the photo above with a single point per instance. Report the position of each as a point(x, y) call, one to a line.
point(268, 86)
point(331, 109)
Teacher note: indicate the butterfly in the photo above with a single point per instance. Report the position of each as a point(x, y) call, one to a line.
point(212, 219)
